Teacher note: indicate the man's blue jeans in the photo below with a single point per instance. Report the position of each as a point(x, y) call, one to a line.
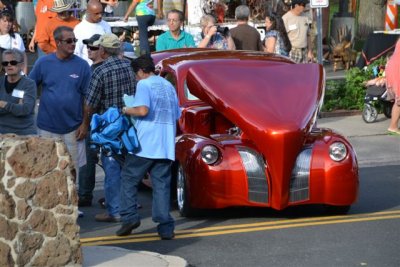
point(143, 23)
point(112, 184)
point(87, 173)
point(132, 173)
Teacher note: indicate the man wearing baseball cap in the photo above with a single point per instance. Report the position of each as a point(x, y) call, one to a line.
point(45, 38)
point(108, 84)
point(87, 173)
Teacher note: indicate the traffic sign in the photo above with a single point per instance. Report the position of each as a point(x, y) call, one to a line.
point(319, 3)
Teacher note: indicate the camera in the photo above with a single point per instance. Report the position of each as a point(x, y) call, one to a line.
point(223, 30)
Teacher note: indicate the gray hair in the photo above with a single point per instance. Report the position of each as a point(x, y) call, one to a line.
point(17, 54)
point(59, 30)
point(116, 51)
point(180, 14)
point(205, 20)
point(242, 12)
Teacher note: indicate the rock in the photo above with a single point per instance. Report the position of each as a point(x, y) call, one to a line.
point(25, 190)
point(41, 221)
point(34, 158)
point(68, 226)
point(23, 210)
point(26, 247)
point(38, 203)
point(8, 229)
point(7, 205)
point(5, 255)
point(51, 190)
point(54, 253)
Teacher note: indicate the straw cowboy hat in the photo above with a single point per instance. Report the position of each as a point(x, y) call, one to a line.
point(60, 6)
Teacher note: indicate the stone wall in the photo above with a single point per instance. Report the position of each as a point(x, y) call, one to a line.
point(38, 203)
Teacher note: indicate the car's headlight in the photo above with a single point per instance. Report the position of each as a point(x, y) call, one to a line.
point(337, 151)
point(209, 154)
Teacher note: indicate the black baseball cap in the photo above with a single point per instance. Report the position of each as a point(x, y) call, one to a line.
point(92, 39)
point(298, 2)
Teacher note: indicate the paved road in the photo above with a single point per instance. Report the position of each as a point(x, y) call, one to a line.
point(302, 236)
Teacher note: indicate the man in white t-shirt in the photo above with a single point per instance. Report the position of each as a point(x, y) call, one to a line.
point(91, 24)
point(297, 25)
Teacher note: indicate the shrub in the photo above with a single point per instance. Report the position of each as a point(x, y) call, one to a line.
point(349, 93)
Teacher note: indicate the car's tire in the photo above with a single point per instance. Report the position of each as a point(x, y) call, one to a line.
point(369, 113)
point(387, 109)
point(174, 173)
point(337, 210)
point(182, 198)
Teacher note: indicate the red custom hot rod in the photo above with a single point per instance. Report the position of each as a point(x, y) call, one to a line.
point(248, 135)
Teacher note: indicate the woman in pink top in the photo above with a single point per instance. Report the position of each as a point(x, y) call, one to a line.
point(393, 83)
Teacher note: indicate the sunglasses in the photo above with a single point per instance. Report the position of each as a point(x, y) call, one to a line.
point(12, 63)
point(93, 48)
point(69, 41)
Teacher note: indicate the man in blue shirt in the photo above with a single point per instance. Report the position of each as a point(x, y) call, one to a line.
point(175, 37)
point(156, 112)
point(64, 78)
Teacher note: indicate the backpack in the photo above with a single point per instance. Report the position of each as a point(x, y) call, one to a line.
point(113, 132)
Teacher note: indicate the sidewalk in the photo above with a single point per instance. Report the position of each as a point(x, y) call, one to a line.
point(103, 256)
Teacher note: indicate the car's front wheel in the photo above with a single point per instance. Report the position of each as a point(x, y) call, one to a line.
point(182, 194)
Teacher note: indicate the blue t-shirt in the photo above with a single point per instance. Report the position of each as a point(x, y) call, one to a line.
point(64, 84)
point(156, 131)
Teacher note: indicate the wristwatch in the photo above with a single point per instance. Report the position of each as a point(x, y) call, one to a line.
point(123, 110)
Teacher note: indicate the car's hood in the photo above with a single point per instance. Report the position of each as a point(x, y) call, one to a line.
point(275, 106)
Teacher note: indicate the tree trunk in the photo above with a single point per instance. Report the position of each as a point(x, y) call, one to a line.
point(371, 16)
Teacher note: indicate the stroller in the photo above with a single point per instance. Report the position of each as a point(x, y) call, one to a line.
point(375, 101)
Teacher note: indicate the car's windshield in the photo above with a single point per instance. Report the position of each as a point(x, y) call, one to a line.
point(188, 94)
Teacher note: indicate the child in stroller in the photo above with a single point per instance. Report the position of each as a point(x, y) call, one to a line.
point(377, 98)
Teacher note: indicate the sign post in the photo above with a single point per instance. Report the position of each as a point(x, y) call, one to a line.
point(318, 4)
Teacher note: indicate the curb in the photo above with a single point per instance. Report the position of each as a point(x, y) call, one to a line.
point(339, 113)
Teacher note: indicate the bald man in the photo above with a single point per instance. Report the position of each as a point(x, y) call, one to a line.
point(92, 23)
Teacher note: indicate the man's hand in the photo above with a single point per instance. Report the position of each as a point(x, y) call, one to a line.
point(310, 56)
point(212, 30)
point(31, 45)
point(81, 132)
point(3, 104)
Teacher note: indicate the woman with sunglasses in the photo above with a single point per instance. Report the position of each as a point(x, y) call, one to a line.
point(17, 96)
point(9, 39)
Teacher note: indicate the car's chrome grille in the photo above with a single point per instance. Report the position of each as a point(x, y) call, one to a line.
point(300, 180)
point(256, 178)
